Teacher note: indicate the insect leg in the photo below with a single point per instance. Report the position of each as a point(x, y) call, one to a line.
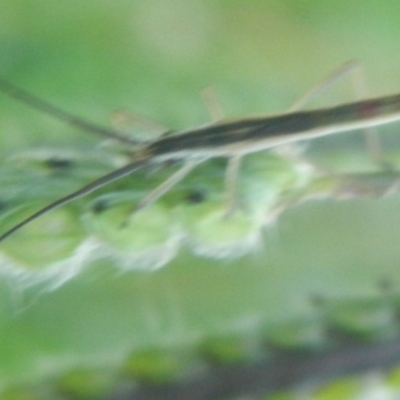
point(124, 121)
point(165, 187)
point(232, 170)
point(356, 72)
point(231, 178)
point(373, 144)
point(212, 103)
point(344, 70)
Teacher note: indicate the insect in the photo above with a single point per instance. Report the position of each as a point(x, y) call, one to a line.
point(231, 139)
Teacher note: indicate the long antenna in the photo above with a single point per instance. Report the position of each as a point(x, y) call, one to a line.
point(97, 184)
point(55, 112)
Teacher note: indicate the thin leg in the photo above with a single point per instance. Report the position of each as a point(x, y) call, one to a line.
point(232, 170)
point(325, 84)
point(231, 174)
point(358, 80)
point(124, 121)
point(231, 178)
point(213, 105)
point(372, 141)
point(165, 187)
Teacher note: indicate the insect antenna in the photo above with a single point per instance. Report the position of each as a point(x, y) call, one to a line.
point(55, 112)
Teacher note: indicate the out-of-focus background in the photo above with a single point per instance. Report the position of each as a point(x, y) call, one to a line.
point(154, 58)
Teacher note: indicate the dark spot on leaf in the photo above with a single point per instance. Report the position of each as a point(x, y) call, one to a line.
point(58, 164)
point(196, 196)
point(385, 284)
point(99, 206)
point(3, 206)
point(317, 300)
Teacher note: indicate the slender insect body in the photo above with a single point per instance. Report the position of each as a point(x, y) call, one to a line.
point(232, 138)
point(248, 135)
